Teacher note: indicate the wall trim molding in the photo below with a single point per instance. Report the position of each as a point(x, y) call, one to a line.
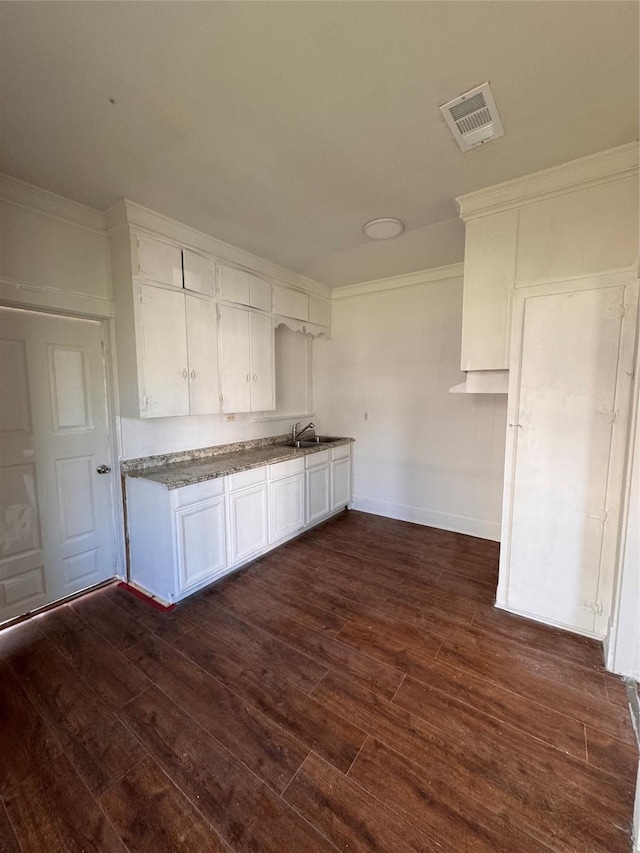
point(126, 213)
point(605, 166)
point(411, 279)
point(480, 527)
point(18, 294)
point(502, 605)
point(21, 194)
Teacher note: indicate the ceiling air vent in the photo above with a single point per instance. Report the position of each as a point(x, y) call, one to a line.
point(473, 117)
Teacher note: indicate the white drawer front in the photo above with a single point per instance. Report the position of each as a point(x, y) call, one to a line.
point(198, 492)
point(285, 469)
point(319, 458)
point(247, 478)
point(341, 452)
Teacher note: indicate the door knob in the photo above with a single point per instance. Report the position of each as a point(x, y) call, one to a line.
point(103, 469)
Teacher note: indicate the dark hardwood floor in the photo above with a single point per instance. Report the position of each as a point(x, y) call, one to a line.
point(354, 690)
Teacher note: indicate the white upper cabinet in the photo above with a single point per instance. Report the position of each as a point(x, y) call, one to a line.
point(319, 311)
point(579, 234)
point(158, 261)
point(202, 348)
point(171, 302)
point(290, 303)
point(182, 378)
point(244, 288)
point(199, 273)
point(247, 353)
point(574, 221)
point(489, 270)
point(235, 355)
point(164, 369)
point(262, 363)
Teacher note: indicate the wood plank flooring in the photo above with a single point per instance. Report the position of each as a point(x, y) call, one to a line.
point(353, 690)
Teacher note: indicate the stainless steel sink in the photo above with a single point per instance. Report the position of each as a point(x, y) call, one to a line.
point(311, 442)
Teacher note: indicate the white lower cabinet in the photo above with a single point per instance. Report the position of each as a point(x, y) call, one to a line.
point(286, 500)
point(340, 476)
point(318, 486)
point(201, 541)
point(183, 539)
point(247, 492)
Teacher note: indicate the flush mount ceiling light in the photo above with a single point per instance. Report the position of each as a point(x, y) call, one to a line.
point(383, 229)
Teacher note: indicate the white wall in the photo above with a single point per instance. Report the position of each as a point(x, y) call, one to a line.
point(423, 454)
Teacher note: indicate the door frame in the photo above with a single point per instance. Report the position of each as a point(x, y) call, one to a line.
point(619, 438)
point(44, 302)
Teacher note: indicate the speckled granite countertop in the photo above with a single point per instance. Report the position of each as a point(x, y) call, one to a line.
point(175, 470)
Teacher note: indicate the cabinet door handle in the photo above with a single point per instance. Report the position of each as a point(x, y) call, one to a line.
point(185, 373)
point(192, 374)
point(248, 377)
point(255, 377)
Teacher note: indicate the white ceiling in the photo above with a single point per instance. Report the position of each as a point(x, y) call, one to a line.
point(282, 127)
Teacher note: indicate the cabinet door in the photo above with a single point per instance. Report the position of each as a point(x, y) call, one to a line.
point(199, 273)
point(291, 303)
point(158, 261)
point(489, 274)
point(235, 354)
point(262, 360)
point(162, 353)
point(286, 507)
point(319, 311)
point(318, 493)
point(234, 285)
point(340, 483)
point(202, 343)
point(259, 293)
point(247, 522)
point(202, 551)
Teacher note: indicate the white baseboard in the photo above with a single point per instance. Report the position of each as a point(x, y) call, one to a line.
point(500, 604)
point(479, 527)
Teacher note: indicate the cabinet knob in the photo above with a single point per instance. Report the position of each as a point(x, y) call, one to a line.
point(192, 374)
point(185, 373)
point(103, 469)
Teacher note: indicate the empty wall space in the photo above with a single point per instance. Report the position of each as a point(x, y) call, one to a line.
point(422, 454)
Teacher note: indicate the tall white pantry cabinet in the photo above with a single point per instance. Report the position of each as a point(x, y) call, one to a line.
point(552, 259)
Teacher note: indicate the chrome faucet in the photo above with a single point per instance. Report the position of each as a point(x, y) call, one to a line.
point(296, 433)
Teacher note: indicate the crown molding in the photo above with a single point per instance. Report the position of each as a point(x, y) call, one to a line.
point(21, 194)
point(411, 279)
point(613, 164)
point(130, 214)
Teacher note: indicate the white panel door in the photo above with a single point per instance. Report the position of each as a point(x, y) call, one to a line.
point(248, 522)
point(163, 353)
point(235, 355)
point(56, 511)
point(202, 343)
point(318, 493)
point(563, 435)
point(286, 507)
point(201, 537)
point(262, 363)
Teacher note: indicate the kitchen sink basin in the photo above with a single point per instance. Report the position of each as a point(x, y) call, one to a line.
point(312, 442)
point(299, 444)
